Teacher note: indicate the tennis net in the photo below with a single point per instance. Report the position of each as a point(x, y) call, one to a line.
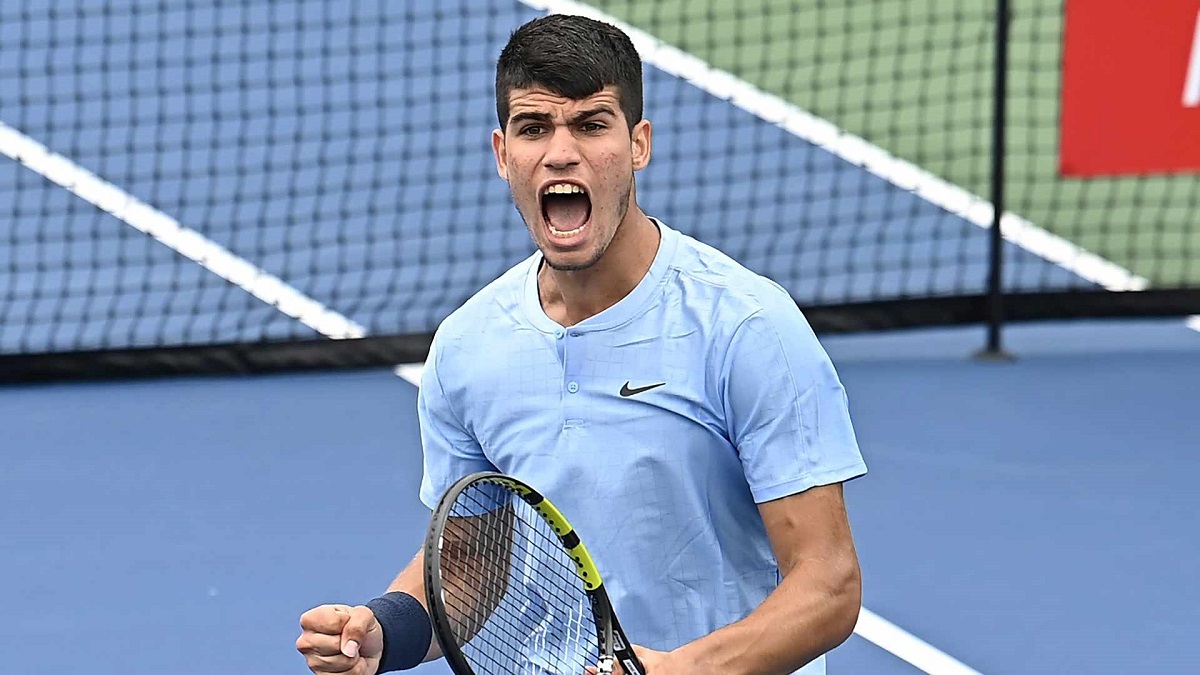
point(240, 185)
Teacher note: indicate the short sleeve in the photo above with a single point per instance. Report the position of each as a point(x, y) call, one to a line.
point(785, 407)
point(450, 452)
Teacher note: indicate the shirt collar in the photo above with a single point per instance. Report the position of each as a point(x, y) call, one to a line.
point(620, 313)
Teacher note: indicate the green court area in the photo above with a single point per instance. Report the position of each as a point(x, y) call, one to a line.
point(916, 78)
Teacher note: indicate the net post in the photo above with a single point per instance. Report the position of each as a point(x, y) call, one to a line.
point(994, 350)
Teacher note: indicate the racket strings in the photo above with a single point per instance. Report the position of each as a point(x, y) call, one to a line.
point(517, 634)
point(514, 600)
point(550, 632)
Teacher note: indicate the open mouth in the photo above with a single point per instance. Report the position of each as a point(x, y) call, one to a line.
point(567, 209)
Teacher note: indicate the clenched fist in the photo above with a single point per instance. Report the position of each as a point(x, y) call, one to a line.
point(340, 639)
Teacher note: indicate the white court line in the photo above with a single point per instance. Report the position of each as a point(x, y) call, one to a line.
point(183, 240)
point(859, 152)
point(916, 652)
point(410, 372)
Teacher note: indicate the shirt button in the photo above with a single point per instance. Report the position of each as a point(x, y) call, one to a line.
point(572, 387)
point(574, 334)
point(558, 332)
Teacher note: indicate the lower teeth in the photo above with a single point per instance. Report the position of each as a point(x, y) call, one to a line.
point(567, 233)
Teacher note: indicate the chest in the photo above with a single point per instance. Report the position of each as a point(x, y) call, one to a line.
point(579, 397)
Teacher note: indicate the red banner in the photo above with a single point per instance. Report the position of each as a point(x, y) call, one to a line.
point(1131, 87)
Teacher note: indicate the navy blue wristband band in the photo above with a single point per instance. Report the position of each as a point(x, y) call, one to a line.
point(407, 631)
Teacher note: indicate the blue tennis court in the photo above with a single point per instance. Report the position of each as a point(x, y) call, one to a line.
point(1029, 517)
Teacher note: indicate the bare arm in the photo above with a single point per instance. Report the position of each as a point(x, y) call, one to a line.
point(463, 564)
point(813, 609)
point(411, 580)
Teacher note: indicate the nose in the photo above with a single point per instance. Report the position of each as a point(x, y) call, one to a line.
point(562, 151)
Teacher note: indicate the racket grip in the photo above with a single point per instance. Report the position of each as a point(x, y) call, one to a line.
point(630, 662)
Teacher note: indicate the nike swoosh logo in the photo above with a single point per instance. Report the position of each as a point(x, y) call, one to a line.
point(626, 391)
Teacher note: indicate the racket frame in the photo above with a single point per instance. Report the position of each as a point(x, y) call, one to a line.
point(613, 643)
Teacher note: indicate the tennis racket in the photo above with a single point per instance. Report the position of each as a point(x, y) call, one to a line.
point(512, 590)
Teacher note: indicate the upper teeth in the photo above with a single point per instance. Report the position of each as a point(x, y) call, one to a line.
point(563, 189)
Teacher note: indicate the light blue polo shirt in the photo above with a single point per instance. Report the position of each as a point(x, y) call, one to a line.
point(655, 426)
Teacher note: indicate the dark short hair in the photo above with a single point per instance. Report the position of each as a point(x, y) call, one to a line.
point(572, 56)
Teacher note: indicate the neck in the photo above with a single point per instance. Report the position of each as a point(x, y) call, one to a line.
point(569, 297)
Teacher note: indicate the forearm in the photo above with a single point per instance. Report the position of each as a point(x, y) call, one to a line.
point(813, 610)
point(460, 566)
point(411, 580)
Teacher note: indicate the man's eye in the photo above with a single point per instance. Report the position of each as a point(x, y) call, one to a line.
point(593, 127)
point(532, 130)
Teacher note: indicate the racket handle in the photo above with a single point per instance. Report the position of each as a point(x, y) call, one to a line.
point(630, 662)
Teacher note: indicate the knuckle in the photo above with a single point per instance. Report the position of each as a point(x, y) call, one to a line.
point(323, 619)
point(362, 616)
point(312, 616)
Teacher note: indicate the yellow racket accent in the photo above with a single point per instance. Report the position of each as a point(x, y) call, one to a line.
point(584, 567)
point(514, 485)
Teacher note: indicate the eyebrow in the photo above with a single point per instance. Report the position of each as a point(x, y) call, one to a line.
point(529, 117)
point(545, 118)
point(592, 112)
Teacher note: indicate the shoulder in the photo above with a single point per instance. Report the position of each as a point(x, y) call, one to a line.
point(490, 312)
point(750, 322)
point(730, 293)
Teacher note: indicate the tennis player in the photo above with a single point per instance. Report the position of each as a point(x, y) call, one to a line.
point(675, 406)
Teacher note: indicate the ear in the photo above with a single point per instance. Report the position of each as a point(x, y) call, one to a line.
point(640, 138)
point(501, 153)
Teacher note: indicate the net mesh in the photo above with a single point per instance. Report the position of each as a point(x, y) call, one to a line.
point(1147, 224)
point(338, 154)
point(513, 601)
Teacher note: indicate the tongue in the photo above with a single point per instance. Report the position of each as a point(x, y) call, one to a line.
point(567, 212)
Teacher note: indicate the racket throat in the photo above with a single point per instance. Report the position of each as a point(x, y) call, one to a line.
point(611, 641)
